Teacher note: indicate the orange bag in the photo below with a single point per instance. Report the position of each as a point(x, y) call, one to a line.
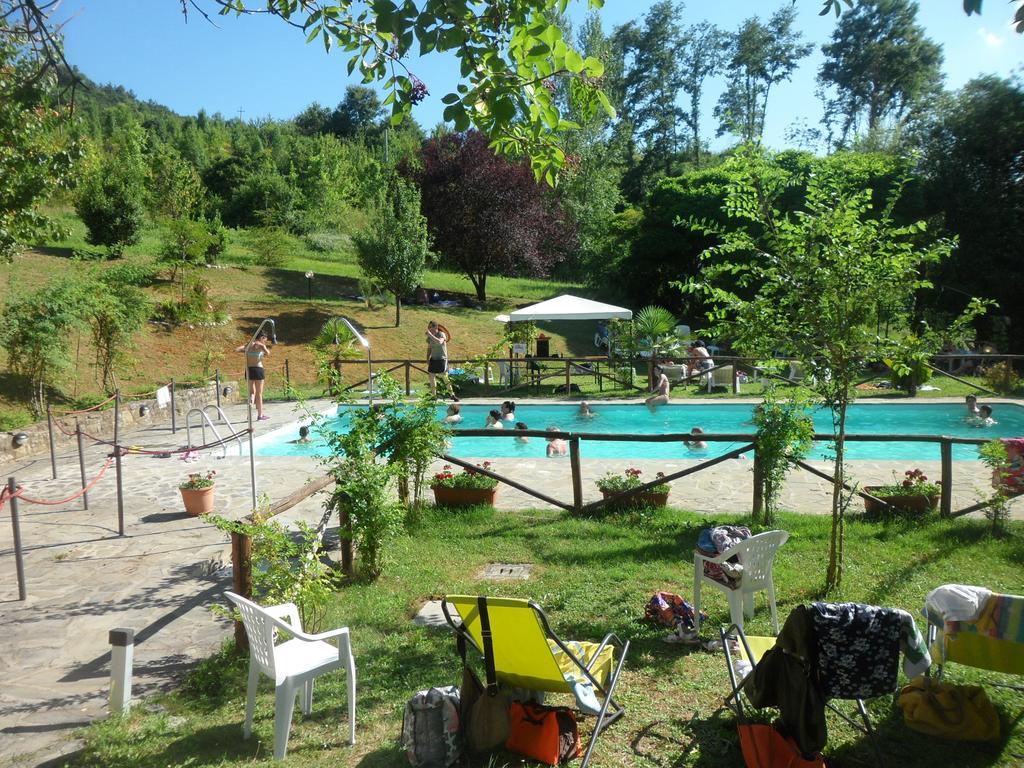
point(546, 734)
point(765, 747)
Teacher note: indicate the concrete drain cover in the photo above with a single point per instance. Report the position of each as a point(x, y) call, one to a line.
point(506, 572)
point(430, 615)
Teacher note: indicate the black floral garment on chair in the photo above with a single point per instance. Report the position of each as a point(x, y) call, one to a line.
point(858, 649)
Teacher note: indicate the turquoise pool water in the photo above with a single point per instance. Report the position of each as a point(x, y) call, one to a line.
point(909, 418)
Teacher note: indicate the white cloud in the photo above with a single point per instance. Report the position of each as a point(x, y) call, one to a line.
point(992, 40)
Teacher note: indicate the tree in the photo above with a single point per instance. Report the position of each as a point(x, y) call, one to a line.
point(358, 114)
point(652, 81)
point(34, 333)
point(115, 313)
point(879, 68)
point(762, 56)
point(313, 120)
point(814, 288)
point(701, 57)
point(34, 159)
point(174, 189)
point(394, 251)
point(109, 200)
point(973, 166)
point(486, 214)
point(970, 8)
point(589, 188)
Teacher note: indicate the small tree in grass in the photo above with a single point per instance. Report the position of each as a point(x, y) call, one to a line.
point(393, 252)
point(784, 430)
point(809, 283)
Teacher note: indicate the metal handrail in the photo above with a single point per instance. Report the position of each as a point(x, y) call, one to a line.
point(203, 423)
point(225, 420)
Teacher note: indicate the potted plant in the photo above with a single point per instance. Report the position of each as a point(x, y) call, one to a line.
point(464, 489)
point(197, 493)
point(913, 494)
point(612, 484)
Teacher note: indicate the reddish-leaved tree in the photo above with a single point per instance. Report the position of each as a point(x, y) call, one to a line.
point(486, 213)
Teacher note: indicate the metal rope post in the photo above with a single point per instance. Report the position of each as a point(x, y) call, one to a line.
point(53, 445)
point(81, 464)
point(216, 382)
point(117, 455)
point(174, 421)
point(12, 487)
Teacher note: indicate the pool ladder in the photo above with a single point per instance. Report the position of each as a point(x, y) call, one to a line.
point(204, 422)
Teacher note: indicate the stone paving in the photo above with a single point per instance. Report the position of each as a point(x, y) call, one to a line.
point(84, 579)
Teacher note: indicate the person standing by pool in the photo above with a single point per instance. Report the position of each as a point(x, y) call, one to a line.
point(255, 373)
point(556, 445)
point(662, 389)
point(437, 356)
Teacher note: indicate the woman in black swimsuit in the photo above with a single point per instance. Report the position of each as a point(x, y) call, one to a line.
point(255, 372)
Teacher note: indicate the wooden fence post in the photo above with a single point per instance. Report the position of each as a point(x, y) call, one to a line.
point(345, 543)
point(946, 501)
point(408, 375)
point(577, 478)
point(241, 573)
point(568, 378)
point(287, 377)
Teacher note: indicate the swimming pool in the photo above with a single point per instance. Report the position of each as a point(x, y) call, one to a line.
point(864, 418)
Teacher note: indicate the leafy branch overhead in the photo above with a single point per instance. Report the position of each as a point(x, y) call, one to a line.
point(511, 59)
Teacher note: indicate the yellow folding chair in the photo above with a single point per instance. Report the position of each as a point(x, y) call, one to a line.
point(524, 652)
point(993, 641)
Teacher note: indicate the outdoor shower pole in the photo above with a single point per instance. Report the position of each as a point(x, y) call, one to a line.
point(366, 345)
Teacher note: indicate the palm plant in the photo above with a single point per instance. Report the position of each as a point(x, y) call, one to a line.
point(334, 342)
point(653, 327)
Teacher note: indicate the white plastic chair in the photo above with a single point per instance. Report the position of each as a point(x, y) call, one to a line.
point(756, 555)
point(723, 376)
point(292, 665)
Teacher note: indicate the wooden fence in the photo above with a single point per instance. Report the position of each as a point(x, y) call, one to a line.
point(241, 544)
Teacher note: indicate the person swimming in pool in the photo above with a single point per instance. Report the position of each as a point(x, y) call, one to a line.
point(696, 444)
point(984, 417)
point(585, 412)
point(556, 445)
point(454, 414)
point(494, 420)
point(521, 427)
point(303, 435)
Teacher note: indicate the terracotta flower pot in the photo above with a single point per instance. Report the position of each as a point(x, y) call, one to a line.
point(464, 497)
point(916, 504)
point(646, 499)
point(198, 501)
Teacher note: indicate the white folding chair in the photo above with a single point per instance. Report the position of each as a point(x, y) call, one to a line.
point(292, 665)
point(756, 555)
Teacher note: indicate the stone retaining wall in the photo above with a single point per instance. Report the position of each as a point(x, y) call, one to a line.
point(101, 423)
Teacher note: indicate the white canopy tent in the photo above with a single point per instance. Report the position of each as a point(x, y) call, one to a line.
point(568, 307)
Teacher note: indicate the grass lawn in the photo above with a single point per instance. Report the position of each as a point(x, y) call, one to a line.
point(591, 576)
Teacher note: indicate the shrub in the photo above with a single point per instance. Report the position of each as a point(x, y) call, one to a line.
point(784, 430)
point(270, 245)
point(914, 483)
point(139, 275)
point(627, 481)
point(467, 478)
point(326, 242)
point(1002, 377)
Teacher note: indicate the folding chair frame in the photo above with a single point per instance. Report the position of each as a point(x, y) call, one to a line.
point(734, 700)
point(604, 717)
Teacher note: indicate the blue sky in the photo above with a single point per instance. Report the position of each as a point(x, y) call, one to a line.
point(265, 68)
